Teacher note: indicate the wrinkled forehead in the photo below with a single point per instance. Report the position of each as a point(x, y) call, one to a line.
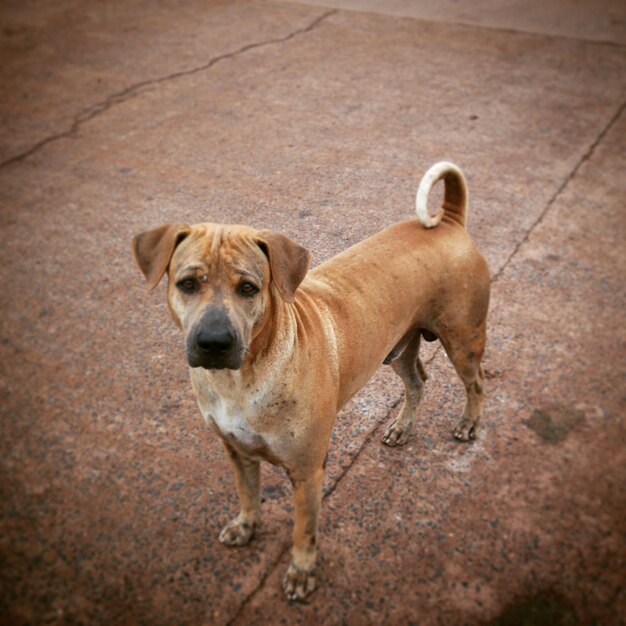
point(212, 248)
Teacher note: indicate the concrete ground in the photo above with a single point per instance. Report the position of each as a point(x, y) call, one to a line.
point(316, 119)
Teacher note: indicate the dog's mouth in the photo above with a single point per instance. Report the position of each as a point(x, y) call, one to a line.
point(215, 362)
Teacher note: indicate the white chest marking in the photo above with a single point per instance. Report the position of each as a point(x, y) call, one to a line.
point(240, 420)
point(232, 422)
point(234, 425)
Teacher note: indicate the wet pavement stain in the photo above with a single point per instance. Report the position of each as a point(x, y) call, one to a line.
point(536, 612)
point(553, 424)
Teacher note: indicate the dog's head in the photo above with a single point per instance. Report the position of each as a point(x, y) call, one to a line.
point(223, 283)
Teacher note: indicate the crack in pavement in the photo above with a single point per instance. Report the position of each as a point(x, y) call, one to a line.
point(585, 157)
point(138, 88)
point(273, 565)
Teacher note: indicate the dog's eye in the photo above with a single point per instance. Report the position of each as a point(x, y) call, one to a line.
point(247, 289)
point(188, 285)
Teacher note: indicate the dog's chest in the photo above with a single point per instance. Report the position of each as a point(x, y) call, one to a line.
point(245, 423)
point(237, 424)
point(250, 417)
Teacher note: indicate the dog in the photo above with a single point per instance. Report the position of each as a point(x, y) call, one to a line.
point(275, 350)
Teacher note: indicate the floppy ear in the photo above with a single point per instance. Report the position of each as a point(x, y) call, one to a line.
point(154, 248)
point(288, 261)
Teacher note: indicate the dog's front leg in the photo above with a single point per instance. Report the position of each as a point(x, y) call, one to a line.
point(247, 476)
point(299, 581)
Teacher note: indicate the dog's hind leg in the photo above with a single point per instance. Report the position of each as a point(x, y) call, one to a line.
point(409, 367)
point(465, 351)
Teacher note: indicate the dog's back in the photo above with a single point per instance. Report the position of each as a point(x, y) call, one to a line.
point(424, 273)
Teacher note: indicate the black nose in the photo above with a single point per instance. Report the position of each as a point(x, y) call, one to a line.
point(216, 341)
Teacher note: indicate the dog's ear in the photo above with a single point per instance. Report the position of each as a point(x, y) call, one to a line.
point(289, 262)
point(154, 248)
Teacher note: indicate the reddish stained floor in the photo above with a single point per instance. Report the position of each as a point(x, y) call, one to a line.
point(318, 122)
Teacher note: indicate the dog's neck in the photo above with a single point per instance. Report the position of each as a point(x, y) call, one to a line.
point(275, 335)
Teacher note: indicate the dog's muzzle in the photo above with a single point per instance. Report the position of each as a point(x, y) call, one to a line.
point(214, 343)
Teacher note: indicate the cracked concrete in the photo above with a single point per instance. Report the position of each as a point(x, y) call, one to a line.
point(136, 89)
point(317, 123)
point(562, 187)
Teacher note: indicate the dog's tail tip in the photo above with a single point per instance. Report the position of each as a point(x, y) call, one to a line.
point(455, 194)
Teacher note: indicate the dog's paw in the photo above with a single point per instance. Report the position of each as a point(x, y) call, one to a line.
point(396, 435)
point(298, 583)
point(236, 533)
point(466, 429)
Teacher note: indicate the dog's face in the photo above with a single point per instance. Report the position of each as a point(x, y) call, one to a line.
point(218, 294)
point(222, 282)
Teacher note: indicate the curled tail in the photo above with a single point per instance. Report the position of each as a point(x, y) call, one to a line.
point(455, 195)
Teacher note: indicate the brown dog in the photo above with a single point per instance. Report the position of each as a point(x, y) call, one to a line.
point(275, 350)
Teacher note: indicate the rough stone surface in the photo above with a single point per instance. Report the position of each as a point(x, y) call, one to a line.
point(317, 122)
